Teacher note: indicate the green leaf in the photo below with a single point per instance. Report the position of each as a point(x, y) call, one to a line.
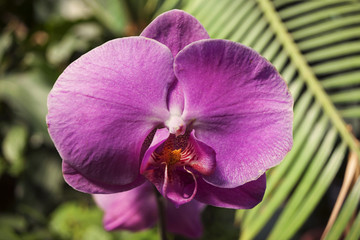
point(5, 42)
point(346, 213)
point(26, 93)
point(310, 179)
point(354, 232)
point(13, 148)
point(15, 222)
point(95, 233)
point(77, 38)
point(111, 13)
point(2, 166)
point(7, 233)
point(151, 234)
point(71, 220)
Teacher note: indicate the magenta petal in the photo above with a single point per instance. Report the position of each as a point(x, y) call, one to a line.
point(185, 219)
point(104, 105)
point(240, 106)
point(243, 197)
point(179, 185)
point(175, 29)
point(132, 210)
point(159, 138)
point(81, 183)
point(204, 160)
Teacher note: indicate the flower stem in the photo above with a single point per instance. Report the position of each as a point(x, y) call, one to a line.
point(161, 212)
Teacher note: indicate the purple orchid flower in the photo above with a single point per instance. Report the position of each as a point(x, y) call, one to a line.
point(199, 118)
point(136, 210)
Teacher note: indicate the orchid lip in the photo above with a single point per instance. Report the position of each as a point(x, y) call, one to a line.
point(174, 163)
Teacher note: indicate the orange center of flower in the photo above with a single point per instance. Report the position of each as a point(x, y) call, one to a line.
point(174, 156)
point(169, 155)
point(174, 151)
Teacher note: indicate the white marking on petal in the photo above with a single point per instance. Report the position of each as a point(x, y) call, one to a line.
point(176, 125)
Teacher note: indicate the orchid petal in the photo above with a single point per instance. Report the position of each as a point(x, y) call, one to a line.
point(81, 183)
point(185, 219)
point(175, 29)
point(179, 185)
point(132, 210)
point(239, 106)
point(202, 157)
point(243, 197)
point(105, 104)
point(159, 138)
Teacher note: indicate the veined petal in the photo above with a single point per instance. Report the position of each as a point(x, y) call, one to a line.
point(201, 157)
point(159, 138)
point(175, 29)
point(104, 105)
point(243, 197)
point(81, 183)
point(240, 107)
point(131, 210)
